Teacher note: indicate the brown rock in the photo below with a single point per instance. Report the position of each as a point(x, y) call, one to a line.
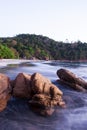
point(38, 81)
point(72, 80)
point(3, 102)
point(43, 112)
point(44, 101)
point(5, 90)
point(21, 86)
point(4, 83)
point(45, 95)
point(41, 100)
point(55, 91)
point(41, 104)
point(42, 85)
point(44, 105)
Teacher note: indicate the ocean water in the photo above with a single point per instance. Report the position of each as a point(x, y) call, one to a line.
point(18, 116)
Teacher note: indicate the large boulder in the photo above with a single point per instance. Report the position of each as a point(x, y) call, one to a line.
point(3, 102)
point(45, 94)
point(40, 84)
point(42, 94)
point(5, 91)
point(22, 86)
point(70, 79)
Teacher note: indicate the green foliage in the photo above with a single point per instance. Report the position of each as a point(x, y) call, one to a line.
point(40, 47)
point(5, 52)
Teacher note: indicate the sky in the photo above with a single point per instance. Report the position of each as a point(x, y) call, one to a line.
point(60, 20)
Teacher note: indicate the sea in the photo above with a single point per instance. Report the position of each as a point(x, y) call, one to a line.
point(18, 115)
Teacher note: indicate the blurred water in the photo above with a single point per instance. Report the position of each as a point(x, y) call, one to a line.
point(18, 116)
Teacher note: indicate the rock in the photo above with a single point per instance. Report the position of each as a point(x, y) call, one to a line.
point(43, 112)
point(41, 101)
point(38, 81)
point(40, 84)
point(3, 102)
point(45, 94)
point(22, 86)
point(4, 83)
point(44, 105)
point(42, 94)
point(46, 112)
point(5, 91)
point(72, 80)
point(45, 101)
point(41, 104)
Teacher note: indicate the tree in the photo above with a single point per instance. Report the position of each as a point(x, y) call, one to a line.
point(6, 53)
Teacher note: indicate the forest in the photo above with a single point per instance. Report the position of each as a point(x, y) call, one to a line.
point(31, 46)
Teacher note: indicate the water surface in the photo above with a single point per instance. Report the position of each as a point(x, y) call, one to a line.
point(18, 116)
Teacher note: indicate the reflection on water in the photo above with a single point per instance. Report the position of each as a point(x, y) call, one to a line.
point(18, 116)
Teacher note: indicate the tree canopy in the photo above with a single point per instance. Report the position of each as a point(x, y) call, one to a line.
point(41, 47)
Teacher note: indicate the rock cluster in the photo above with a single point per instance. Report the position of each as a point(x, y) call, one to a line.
point(5, 90)
point(70, 79)
point(42, 95)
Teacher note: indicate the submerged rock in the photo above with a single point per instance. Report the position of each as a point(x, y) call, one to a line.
point(48, 111)
point(70, 79)
point(5, 91)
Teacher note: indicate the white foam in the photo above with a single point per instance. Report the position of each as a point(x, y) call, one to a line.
point(5, 62)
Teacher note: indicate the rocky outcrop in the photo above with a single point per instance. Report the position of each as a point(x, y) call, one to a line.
point(5, 91)
point(22, 86)
point(40, 84)
point(41, 94)
point(45, 94)
point(70, 79)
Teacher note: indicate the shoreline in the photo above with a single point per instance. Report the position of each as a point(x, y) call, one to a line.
point(5, 62)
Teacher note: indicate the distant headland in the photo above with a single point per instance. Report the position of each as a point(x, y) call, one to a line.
point(31, 46)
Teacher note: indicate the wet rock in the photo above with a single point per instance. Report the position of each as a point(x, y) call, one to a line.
point(22, 86)
point(41, 101)
point(40, 84)
point(70, 79)
point(4, 101)
point(42, 111)
point(45, 94)
point(5, 90)
point(41, 104)
point(45, 101)
point(42, 94)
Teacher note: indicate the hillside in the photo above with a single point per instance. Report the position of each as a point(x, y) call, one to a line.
point(31, 46)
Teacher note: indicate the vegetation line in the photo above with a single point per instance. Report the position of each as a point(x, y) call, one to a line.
point(31, 46)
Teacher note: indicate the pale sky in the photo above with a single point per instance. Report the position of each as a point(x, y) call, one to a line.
point(57, 19)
